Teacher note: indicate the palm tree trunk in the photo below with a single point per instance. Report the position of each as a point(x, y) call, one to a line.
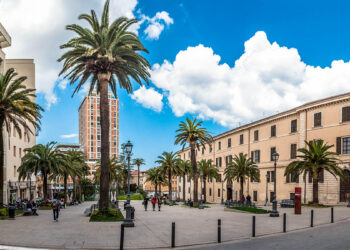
point(170, 186)
point(184, 188)
point(160, 189)
point(138, 177)
point(155, 189)
point(205, 189)
point(103, 79)
point(241, 191)
point(45, 187)
point(79, 183)
point(65, 187)
point(74, 191)
point(195, 174)
point(315, 190)
point(2, 149)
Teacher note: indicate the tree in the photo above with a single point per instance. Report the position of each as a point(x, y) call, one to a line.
point(209, 171)
point(241, 168)
point(138, 162)
point(184, 169)
point(87, 187)
point(103, 54)
point(314, 159)
point(41, 159)
point(17, 109)
point(114, 167)
point(156, 177)
point(169, 165)
point(192, 133)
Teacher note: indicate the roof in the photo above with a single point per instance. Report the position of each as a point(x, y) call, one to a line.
point(5, 39)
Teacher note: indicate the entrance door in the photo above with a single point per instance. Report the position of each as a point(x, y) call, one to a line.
point(229, 193)
point(345, 187)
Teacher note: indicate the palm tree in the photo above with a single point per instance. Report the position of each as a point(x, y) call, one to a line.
point(103, 54)
point(169, 165)
point(241, 168)
point(115, 167)
point(313, 159)
point(185, 169)
point(41, 159)
point(209, 171)
point(17, 108)
point(138, 162)
point(192, 133)
point(156, 177)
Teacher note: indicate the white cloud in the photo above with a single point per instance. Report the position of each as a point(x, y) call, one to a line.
point(155, 25)
point(267, 78)
point(37, 28)
point(69, 136)
point(149, 98)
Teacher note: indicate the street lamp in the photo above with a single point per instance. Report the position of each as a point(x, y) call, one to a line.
point(128, 222)
point(222, 191)
point(29, 175)
point(201, 201)
point(116, 190)
point(266, 200)
point(274, 212)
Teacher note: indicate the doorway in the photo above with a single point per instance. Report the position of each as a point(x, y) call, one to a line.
point(345, 187)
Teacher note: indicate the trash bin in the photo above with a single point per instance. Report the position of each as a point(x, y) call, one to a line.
point(132, 213)
point(12, 212)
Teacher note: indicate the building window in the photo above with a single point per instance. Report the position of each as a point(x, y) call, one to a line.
point(241, 139)
point(189, 190)
point(14, 171)
point(346, 145)
point(255, 195)
point(346, 114)
point(317, 119)
point(270, 176)
point(219, 161)
point(256, 156)
point(228, 159)
point(273, 130)
point(218, 192)
point(219, 145)
point(256, 135)
point(253, 179)
point(292, 178)
point(293, 126)
point(184, 156)
point(209, 191)
point(14, 151)
point(20, 152)
point(293, 151)
point(272, 150)
point(229, 142)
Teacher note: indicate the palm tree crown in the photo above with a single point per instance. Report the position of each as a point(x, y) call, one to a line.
point(313, 159)
point(138, 162)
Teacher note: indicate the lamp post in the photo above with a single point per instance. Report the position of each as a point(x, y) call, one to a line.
point(29, 175)
point(116, 190)
point(201, 201)
point(266, 200)
point(222, 192)
point(128, 222)
point(274, 212)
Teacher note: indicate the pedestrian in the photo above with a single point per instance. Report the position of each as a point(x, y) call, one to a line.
point(159, 203)
point(55, 209)
point(249, 203)
point(145, 202)
point(154, 201)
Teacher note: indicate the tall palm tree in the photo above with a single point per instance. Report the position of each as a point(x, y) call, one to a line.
point(241, 168)
point(138, 162)
point(18, 109)
point(41, 159)
point(313, 159)
point(115, 167)
point(103, 54)
point(169, 165)
point(209, 171)
point(191, 132)
point(185, 169)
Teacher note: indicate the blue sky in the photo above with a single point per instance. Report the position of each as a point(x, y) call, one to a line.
point(308, 36)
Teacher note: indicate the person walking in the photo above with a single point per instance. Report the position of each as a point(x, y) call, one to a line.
point(154, 201)
point(55, 209)
point(145, 202)
point(249, 202)
point(159, 203)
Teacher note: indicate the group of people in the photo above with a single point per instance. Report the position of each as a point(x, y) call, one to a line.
point(154, 201)
point(247, 199)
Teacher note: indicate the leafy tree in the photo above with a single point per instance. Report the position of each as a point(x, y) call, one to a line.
point(191, 132)
point(185, 169)
point(87, 187)
point(41, 159)
point(241, 168)
point(138, 162)
point(313, 159)
point(103, 54)
point(17, 109)
point(209, 171)
point(169, 165)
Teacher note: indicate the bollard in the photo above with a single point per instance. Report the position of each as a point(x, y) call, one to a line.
point(253, 227)
point(332, 214)
point(122, 237)
point(284, 223)
point(173, 234)
point(312, 218)
point(219, 230)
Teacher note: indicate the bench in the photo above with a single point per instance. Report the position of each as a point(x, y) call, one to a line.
point(287, 203)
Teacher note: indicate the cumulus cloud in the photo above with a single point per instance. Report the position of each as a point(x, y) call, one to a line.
point(37, 28)
point(156, 24)
point(69, 136)
point(149, 98)
point(266, 78)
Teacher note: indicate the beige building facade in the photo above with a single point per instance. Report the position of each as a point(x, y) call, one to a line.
point(327, 119)
point(15, 146)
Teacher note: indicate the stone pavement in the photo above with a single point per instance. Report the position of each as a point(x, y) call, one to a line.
point(152, 228)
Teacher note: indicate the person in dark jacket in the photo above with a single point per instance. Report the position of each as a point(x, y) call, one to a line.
point(159, 203)
point(145, 202)
point(55, 209)
point(249, 201)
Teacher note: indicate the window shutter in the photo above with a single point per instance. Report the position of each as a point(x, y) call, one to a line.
point(297, 179)
point(258, 155)
point(338, 145)
point(287, 178)
point(346, 114)
point(252, 155)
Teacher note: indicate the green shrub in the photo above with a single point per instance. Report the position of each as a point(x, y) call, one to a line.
point(132, 197)
point(111, 215)
point(4, 212)
point(251, 210)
